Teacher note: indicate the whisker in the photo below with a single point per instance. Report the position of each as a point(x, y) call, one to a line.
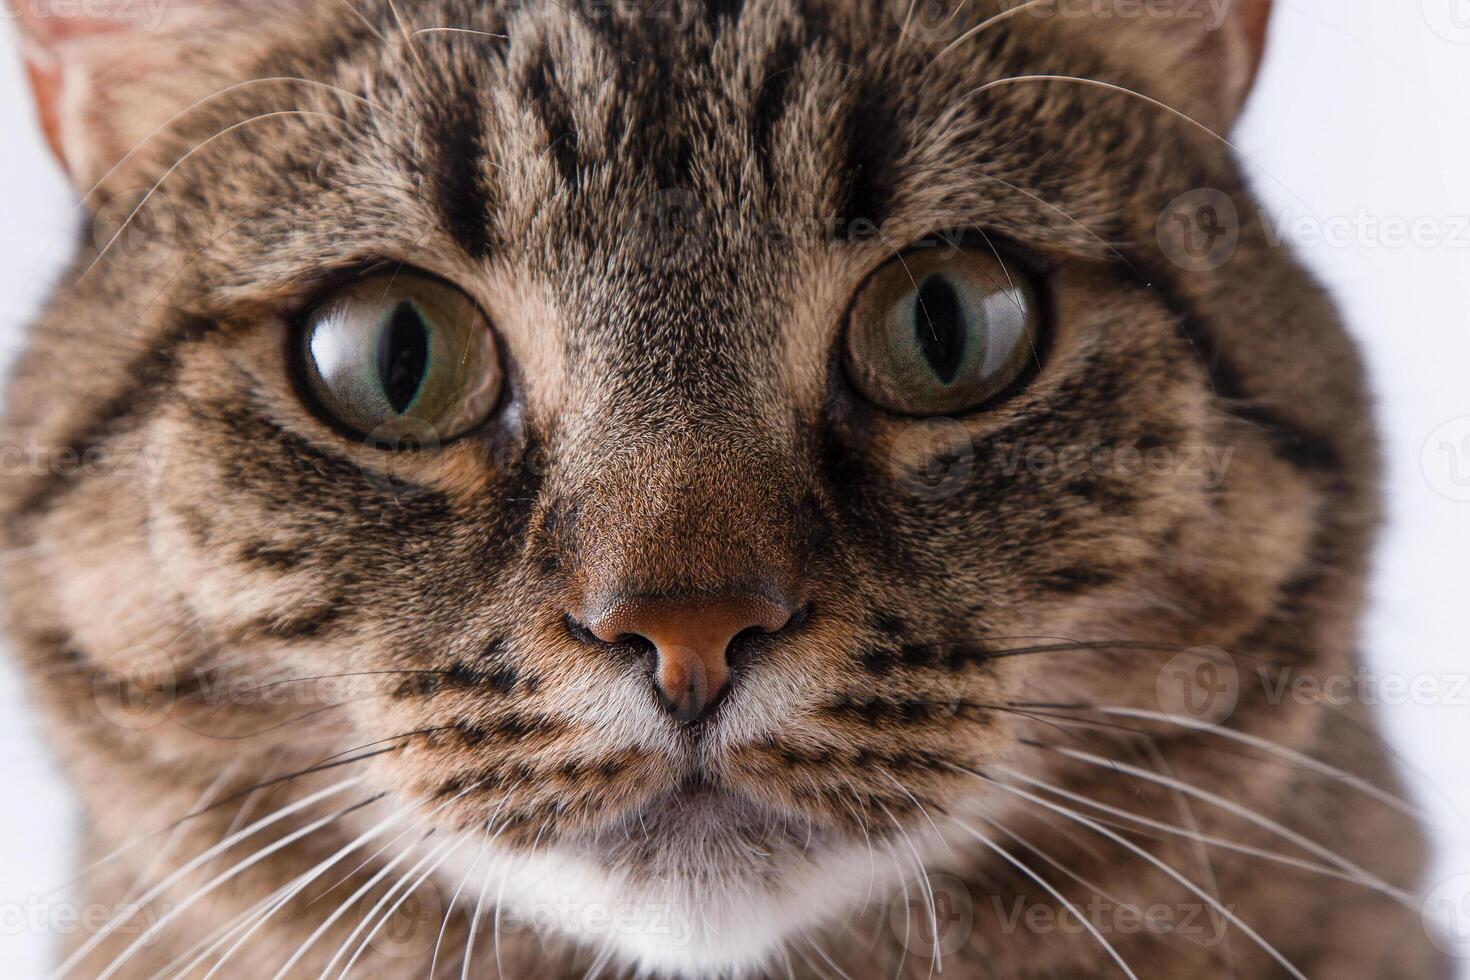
point(177, 833)
point(1300, 758)
point(260, 855)
point(1163, 866)
point(127, 222)
point(1206, 839)
point(985, 25)
point(454, 900)
point(459, 30)
point(1171, 110)
point(437, 856)
point(1191, 823)
point(1245, 813)
point(923, 881)
point(343, 907)
point(279, 899)
point(125, 915)
point(1051, 890)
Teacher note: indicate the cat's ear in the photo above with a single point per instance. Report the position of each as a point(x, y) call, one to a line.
point(105, 75)
point(1200, 56)
point(1223, 64)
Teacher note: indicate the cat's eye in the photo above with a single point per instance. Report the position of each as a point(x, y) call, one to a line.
point(938, 331)
point(401, 360)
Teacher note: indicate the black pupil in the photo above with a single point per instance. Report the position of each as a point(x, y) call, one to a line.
point(939, 325)
point(403, 355)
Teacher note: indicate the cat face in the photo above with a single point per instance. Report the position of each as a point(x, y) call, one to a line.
point(696, 444)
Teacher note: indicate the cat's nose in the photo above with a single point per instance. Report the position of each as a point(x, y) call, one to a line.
point(691, 638)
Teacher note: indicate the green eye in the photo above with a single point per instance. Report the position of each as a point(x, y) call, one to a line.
point(937, 332)
point(401, 360)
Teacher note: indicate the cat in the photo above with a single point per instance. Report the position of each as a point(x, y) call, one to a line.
point(694, 490)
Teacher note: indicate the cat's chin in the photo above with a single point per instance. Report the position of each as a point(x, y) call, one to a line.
point(696, 883)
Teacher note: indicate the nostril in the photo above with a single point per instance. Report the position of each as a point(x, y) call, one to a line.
point(578, 631)
point(692, 641)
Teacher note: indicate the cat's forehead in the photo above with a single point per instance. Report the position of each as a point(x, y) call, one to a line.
point(558, 133)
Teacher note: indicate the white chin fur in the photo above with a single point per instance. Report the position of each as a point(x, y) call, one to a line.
point(694, 926)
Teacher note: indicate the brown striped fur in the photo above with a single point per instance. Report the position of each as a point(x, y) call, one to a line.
point(674, 414)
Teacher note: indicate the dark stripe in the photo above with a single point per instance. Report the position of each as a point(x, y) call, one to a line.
point(549, 102)
point(1292, 443)
point(461, 191)
point(151, 373)
point(871, 137)
point(771, 103)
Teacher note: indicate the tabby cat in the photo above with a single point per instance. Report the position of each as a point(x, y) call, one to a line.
point(693, 490)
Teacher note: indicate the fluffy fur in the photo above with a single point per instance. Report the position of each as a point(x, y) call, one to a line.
point(665, 211)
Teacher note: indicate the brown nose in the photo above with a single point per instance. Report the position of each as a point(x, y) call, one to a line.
point(691, 638)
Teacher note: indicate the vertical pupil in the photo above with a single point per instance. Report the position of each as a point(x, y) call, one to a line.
point(403, 354)
point(939, 326)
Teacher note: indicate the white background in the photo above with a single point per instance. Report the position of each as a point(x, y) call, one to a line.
point(1361, 121)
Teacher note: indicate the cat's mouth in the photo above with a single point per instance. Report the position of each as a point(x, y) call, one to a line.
point(695, 820)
